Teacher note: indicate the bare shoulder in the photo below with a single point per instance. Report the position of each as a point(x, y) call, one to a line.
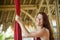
point(45, 30)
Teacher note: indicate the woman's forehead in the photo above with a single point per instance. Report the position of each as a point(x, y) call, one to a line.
point(39, 16)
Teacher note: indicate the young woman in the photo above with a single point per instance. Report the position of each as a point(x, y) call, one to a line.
point(43, 29)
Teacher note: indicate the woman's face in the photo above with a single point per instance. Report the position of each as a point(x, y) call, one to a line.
point(39, 20)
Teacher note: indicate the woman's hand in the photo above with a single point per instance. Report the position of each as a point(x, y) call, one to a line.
point(17, 18)
point(21, 24)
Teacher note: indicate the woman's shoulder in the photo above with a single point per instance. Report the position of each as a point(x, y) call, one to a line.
point(45, 30)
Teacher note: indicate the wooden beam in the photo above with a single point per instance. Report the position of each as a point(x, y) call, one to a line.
point(36, 1)
point(25, 7)
point(40, 5)
point(24, 1)
point(7, 16)
point(7, 9)
point(49, 13)
point(12, 7)
point(13, 17)
point(11, 2)
point(57, 18)
point(30, 1)
point(29, 7)
point(2, 17)
point(4, 1)
point(28, 15)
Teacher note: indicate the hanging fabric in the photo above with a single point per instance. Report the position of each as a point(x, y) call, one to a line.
point(17, 29)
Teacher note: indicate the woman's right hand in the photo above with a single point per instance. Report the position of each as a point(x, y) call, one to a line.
point(21, 25)
point(17, 18)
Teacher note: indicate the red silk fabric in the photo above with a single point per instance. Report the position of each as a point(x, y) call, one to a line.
point(17, 29)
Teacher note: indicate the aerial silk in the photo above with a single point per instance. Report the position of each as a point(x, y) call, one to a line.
point(17, 29)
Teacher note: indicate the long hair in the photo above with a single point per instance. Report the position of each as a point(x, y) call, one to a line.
point(46, 24)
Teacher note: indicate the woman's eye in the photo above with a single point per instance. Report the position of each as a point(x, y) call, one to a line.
point(36, 19)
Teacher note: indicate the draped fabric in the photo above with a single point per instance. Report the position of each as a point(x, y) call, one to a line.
point(38, 38)
point(17, 29)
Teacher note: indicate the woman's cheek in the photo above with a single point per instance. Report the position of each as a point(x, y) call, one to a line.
point(37, 22)
point(41, 22)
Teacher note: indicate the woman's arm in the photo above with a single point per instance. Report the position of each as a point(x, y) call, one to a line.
point(32, 34)
point(21, 25)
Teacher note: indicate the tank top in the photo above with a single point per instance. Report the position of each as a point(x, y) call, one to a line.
point(38, 38)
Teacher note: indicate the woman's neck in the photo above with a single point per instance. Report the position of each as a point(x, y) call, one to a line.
point(39, 27)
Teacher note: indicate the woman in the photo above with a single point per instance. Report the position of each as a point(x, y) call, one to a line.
point(43, 28)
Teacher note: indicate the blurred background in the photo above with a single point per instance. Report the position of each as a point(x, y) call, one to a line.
point(29, 9)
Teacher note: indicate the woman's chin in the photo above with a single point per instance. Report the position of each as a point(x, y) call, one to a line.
point(39, 25)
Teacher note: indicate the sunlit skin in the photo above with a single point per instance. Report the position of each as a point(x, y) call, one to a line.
point(40, 31)
point(39, 20)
